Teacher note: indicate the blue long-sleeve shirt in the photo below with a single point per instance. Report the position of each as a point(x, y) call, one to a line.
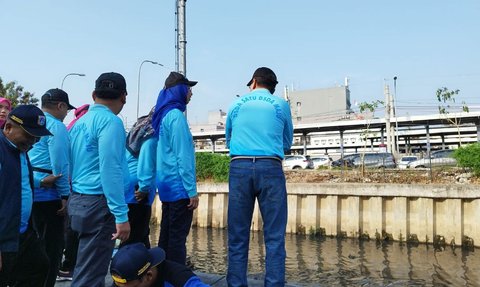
point(142, 172)
point(98, 158)
point(52, 153)
point(176, 177)
point(259, 124)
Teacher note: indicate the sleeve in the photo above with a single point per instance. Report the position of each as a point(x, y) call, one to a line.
point(59, 152)
point(288, 128)
point(228, 130)
point(146, 169)
point(111, 154)
point(181, 142)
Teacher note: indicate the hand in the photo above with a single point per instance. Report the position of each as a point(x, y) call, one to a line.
point(63, 211)
point(123, 231)
point(193, 203)
point(139, 196)
point(49, 181)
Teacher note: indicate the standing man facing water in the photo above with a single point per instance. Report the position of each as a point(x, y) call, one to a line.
point(97, 207)
point(259, 130)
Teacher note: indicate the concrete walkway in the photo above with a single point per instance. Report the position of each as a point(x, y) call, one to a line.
point(211, 279)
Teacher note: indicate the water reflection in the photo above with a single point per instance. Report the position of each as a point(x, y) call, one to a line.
point(347, 262)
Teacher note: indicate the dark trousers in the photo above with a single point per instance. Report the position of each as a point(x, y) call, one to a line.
point(71, 247)
point(49, 226)
point(139, 218)
point(174, 229)
point(28, 267)
point(91, 219)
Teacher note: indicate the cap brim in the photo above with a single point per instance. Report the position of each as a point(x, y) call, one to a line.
point(158, 255)
point(70, 107)
point(250, 82)
point(37, 132)
point(192, 83)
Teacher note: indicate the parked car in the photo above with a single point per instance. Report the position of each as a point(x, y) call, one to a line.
point(321, 160)
point(405, 160)
point(347, 160)
point(438, 158)
point(375, 160)
point(297, 162)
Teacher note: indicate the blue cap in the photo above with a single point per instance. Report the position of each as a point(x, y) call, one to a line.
point(31, 119)
point(133, 260)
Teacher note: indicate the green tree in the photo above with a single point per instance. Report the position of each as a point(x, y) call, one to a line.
point(366, 133)
point(16, 94)
point(446, 98)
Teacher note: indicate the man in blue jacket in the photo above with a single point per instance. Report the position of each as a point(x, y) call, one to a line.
point(23, 261)
point(51, 155)
point(176, 177)
point(97, 208)
point(258, 131)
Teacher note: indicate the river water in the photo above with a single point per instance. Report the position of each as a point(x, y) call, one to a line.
point(343, 262)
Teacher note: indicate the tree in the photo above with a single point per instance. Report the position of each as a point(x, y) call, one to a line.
point(16, 94)
point(366, 133)
point(446, 97)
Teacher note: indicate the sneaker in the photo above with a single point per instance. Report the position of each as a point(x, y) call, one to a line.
point(64, 275)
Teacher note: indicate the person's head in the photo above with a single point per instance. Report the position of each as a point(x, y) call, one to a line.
point(5, 108)
point(111, 90)
point(175, 79)
point(25, 125)
point(263, 77)
point(56, 102)
point(135, 266)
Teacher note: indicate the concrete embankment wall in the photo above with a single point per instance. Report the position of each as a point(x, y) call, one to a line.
point(398, 211)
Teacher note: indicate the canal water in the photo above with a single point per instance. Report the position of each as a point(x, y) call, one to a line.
point(343, 262)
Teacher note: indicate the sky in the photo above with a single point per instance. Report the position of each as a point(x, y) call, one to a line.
point(310, 44)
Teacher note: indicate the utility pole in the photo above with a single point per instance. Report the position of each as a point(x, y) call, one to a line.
point(181, 43)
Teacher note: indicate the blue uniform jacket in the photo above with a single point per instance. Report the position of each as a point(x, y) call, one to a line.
point(10, 195)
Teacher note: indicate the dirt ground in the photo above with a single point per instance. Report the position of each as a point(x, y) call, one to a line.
point(436, 176)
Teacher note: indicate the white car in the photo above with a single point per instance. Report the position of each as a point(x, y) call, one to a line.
point(405, 160)
point(297, 162)
point(438, 158)
point(322, 160)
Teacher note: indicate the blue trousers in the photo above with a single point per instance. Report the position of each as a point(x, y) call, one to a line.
point(174, 229)
point(262, 180)
point(90, 217)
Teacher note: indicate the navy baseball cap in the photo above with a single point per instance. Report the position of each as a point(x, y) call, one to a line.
point(133, 260)
point(31, 119)
point(57, 95)
point(176, 78)
point(266, 74)
point(111, 84)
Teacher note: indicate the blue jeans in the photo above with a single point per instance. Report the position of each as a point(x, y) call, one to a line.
point(264, 180)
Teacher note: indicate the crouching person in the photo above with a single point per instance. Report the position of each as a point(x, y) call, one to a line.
point(135, 265)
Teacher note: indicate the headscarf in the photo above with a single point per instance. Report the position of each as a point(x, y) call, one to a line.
point(141, 131)
point(169, 99)
point(9, 104)
point(79, 112)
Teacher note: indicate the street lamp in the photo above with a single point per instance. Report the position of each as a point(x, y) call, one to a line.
point(138, 87)
point(395, 112)
point(71, 74)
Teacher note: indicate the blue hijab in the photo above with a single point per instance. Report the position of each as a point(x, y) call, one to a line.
point(169, 99)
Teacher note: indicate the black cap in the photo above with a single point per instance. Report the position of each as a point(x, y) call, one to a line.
point(176, 78)
point(112, 85)
point(133, 260)
point(31, 119)
point(266, 74)
point(57, 95)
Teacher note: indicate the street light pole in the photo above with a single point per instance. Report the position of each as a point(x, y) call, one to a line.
point(138, 86)
point(71, 74)
point(395, 112)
